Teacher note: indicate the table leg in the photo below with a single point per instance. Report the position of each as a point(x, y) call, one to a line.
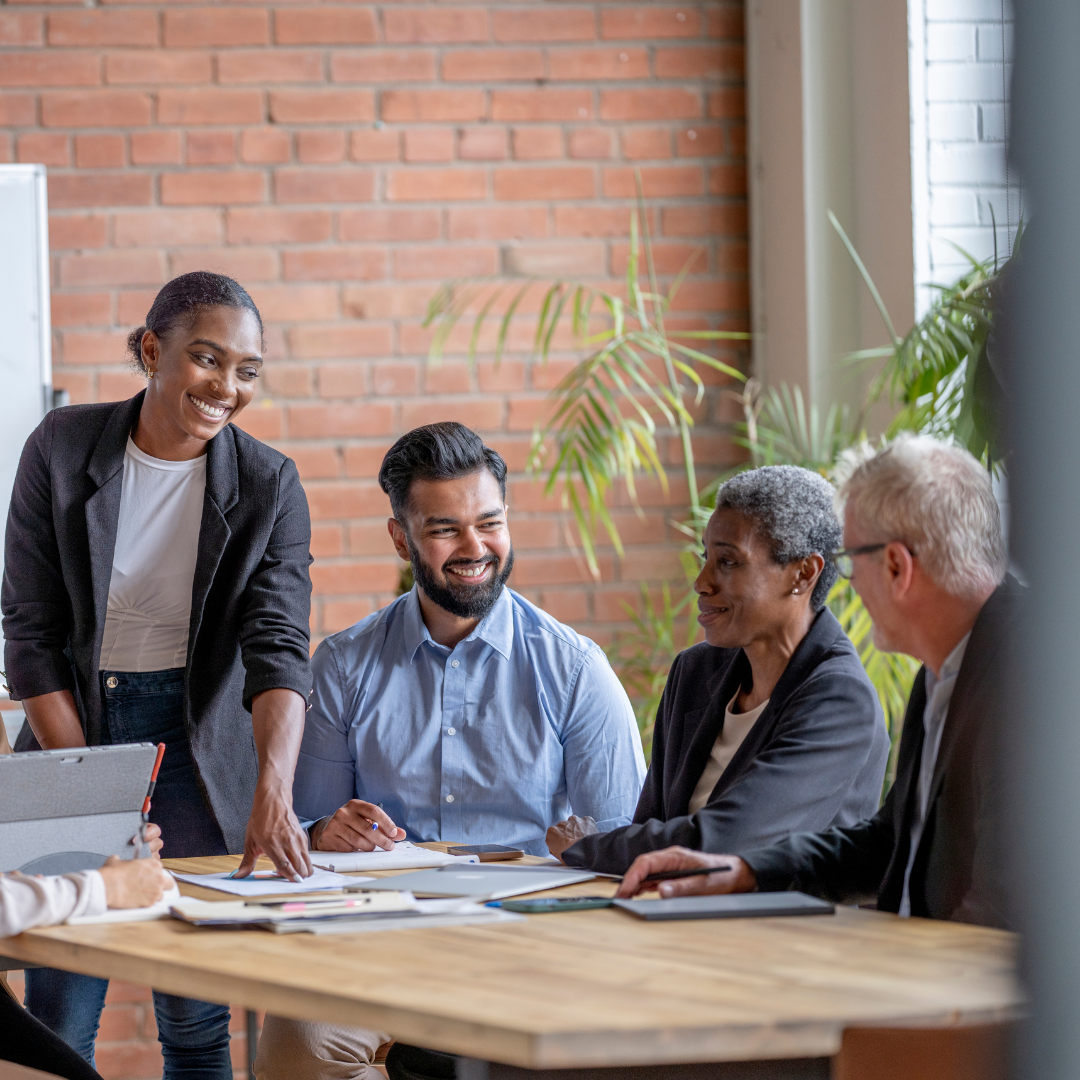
point(784, 1069)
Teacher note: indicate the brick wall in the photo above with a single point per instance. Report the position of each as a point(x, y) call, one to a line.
point(341, 160)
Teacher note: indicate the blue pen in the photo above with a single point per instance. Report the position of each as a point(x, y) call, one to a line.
point(374, 826)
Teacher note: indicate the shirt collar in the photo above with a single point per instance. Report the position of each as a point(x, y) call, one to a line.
point(496, 628)
point(950, 668)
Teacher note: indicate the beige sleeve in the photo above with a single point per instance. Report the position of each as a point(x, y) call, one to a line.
point(26, 902)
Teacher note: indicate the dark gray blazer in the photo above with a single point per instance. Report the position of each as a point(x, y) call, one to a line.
point(251, 597)
point(816, 754)
point(957, 873)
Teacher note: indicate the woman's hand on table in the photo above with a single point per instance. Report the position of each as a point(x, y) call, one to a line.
point(738, 878)
point(353, 828)
point(563, 834)
point(134, 883)
point(274, 831)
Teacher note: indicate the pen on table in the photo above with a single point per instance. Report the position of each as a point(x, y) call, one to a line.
point(674, 875)
point(309, 905)
point(153, 782)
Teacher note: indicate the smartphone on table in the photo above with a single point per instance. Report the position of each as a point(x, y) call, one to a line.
point(551, 904)
point(488, 852)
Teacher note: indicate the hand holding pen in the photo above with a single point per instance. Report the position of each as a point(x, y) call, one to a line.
point(357, 826)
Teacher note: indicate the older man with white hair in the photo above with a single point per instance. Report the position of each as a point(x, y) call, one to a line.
point(924, 550)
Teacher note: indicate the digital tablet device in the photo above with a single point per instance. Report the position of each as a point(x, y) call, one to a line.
point(68, 810)
point(487, 881)
point(733, 906)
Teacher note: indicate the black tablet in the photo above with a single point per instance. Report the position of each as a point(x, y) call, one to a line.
point(734, 906)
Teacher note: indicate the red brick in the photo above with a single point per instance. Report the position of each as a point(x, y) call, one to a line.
point(50, 69)
point(323, 185)
point(428, 144)
point(538, 143)
point(81, 309)
point(20, 28)
point(570, 182)
point(325, 26)
point(129, 1059)
point(93, 346)
point(315, 462)
point(428, 24)
point(369, 538)
point(543, 24)
point(711, 220)
point(339, 339)
point(660, 21)
point(711, 296)
point(321, 147)
point(7, 148)
point(118, 385)
point(119, 1023)
point(478, 415)
point(269, 66)
point(496, 222)
point(365, 461)
point(155, 148)
point(590, 143)
point(652, 103)
point(158, 66)
point(374, 144)
point(99, 151)
point(17, 108)
point(44, 148)
point(493, 65)
point(383, 66)
point(327, 541)
point(225, 188)
point(337, 421)
point(586, 65)
point(272, 226)
point(396, 378)
point(700, 61)
point(669, 259)
point(413, 263)
point(448, 377)
point(77, 231)
point(211, 148)
point(573, 258)
point(113, 268)
point(484, 143)
point(343, 380)
point(321, 106)
point(727, 180)
point(99, 189)
point(646, 142)
point(95, 108)
point(263, 422)
point(132, 306)
point(341, 614)
point(541, 104)
point(699, 141)
point(166, 228)
point(429, 185)
point(391, 223)
point(728, 103)
point(245, 264)
point(291, 380)
point(509, 375)
point(395, 301)
point(103, 27)
point(401, 106)
point(334, 264)
point(291, 303)
point(210, 107)
point(264, 146)
point(216, 26)
point(355, 577)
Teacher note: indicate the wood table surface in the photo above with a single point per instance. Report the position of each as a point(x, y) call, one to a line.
point(575, 989)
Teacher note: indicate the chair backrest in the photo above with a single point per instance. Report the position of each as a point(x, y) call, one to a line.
point(971, 1052)
point(11, 1071)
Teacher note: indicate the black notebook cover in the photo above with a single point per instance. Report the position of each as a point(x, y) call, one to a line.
point(733, 906)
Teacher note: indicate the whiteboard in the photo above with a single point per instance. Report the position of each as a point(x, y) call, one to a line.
point(25, 343)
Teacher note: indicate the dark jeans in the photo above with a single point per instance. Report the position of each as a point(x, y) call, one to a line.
point(194, 1035)
point(28, 1042)
point(404, 1062)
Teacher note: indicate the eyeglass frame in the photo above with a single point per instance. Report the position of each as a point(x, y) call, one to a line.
point(865, 549)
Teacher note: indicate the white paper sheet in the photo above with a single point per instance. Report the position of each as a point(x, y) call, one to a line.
point(403, 856)
point(262, 885)
point(160, 910)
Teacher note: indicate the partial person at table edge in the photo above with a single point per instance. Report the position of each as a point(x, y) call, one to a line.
point(771, 725)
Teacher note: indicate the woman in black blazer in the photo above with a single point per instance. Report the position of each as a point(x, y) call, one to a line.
point(771, 725)
point(156, 589)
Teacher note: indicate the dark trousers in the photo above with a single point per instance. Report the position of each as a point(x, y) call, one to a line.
point(194, 1035)
point(28, 1042)
point(405, 1062)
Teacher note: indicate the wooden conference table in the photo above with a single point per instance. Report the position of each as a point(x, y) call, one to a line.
point(578, 995)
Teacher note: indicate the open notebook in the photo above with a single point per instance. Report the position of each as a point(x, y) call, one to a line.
point(403, 856)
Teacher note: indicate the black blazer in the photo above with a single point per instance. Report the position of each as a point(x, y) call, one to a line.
point(251, 597)
point(817, 754)
point(957, 873)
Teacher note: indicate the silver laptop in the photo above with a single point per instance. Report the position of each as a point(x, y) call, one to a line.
point(481, 881)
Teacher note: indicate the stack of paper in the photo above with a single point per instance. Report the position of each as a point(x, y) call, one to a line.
point(403, 856)
point(268, 883)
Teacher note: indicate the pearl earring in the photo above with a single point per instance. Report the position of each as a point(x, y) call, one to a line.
point(795, 591)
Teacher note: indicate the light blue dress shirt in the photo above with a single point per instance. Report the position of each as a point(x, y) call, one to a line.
point(519, 725)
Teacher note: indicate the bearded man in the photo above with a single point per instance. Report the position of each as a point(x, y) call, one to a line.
point(460, 712)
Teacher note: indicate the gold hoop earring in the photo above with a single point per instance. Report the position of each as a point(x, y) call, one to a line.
point(150, 374)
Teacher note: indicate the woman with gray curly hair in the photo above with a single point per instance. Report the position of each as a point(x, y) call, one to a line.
point(771, 725)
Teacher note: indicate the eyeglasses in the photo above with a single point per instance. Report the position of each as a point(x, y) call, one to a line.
point(844, 560)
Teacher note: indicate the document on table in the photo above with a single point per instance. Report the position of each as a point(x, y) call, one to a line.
point(403, 856)
point(267, 883)
point(160, 910)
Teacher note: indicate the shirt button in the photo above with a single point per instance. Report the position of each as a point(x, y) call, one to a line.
point(451, 731)
point(449, 798)
point(455, 663)
point(112, 682)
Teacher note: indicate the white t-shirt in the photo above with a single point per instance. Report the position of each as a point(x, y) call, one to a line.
point(736, 728)
point(157, 544)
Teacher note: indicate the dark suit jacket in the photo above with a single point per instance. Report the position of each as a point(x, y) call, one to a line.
point(815, 757)
point(251, 596)
point(957, 873)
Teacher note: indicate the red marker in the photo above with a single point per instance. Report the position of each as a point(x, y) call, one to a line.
point(153, 781)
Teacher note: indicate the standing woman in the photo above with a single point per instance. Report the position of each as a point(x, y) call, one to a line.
point(156, 589)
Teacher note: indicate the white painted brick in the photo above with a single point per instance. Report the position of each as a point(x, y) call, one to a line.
point(979, 243)
point(1002, 214)
point(951, 41)
point(989, 42)
point(964, 10)
point(967, 164)
point(951, 207)
point(953, 123)
point(964, 82)
point(992, 123)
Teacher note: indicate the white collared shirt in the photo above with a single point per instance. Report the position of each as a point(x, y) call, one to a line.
point(939, 690)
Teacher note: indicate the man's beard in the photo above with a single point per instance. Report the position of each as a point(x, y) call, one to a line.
point(464, 601)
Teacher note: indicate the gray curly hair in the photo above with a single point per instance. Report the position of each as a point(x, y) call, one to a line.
point(793, 509)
